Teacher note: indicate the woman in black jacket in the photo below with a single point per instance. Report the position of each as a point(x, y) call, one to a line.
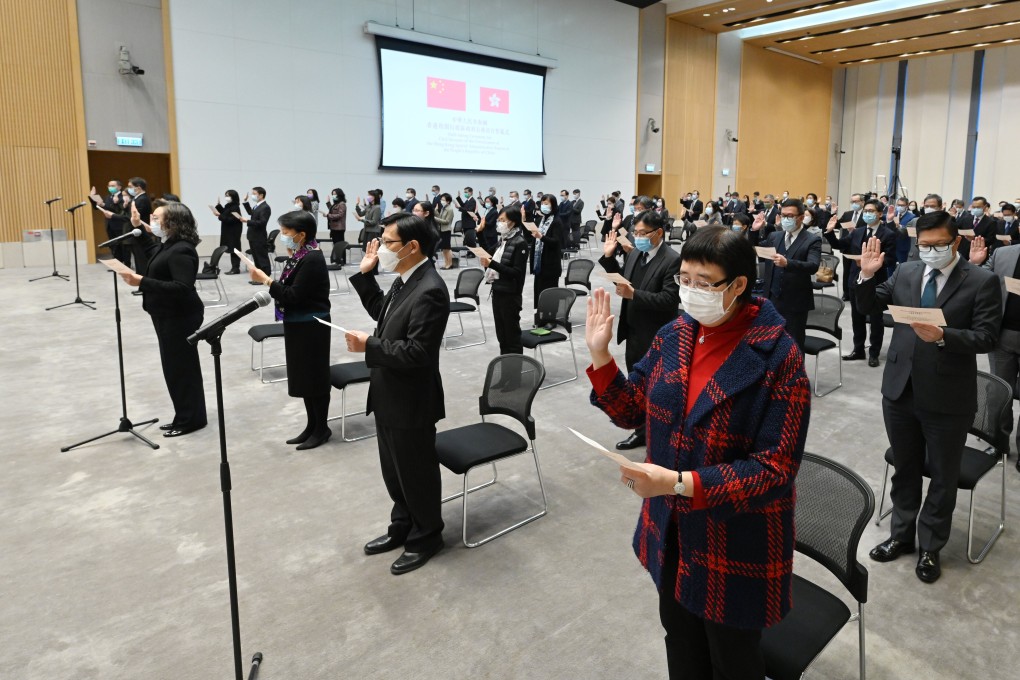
point(302, 296)
point(169, 296)
point(550, 237)
point(506, 271)
point(230, 226)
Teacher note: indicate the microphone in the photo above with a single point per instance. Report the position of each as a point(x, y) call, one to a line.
point(80, 205)
point(52, 200)
point(215, 327)
point(134, 232)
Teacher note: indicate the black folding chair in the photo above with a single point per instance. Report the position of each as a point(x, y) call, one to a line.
point(833, 506)
point(824, 318)
point(511, 383)
point(553, 309)
point(468, 283)
point(213, 274)
point(342, 376)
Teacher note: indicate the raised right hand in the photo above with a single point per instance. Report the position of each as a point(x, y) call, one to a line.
point(609, 247)
point(833, 223)
point(598, 332)
point(759, 222)
point(872, 257)
point(371, 258)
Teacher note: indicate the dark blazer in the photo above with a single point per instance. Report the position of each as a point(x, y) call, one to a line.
point(512, 267)
point(488, 236)
point(577, 207)
point(565, 213)
point(790, 287)
point(656, 297)
point(848, 215)
point(168, 285)
point(305, 293)
point(226, 216)
point(696, 209)
point(528, 208)
point(850, 244)
point(944, 379)
point(745, 438)
point(410, 203)
point(259, 217)
point(987, 227)
point(144, 206)
point(552, 250)
point(1002, 263)
point(1011, 230)
point(466, 208)
point(406, 389)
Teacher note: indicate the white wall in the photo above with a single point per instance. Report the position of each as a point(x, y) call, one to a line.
point(729, 55)
point(286, 94)
point(935, 116)
point(651, 87)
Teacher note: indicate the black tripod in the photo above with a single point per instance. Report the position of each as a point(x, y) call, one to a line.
point(228, 517)
point(125, 424)
point(77, 286)
point(895, 185)
point(53, 247)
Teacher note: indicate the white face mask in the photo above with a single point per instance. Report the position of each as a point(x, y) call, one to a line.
point(502, 228)
point(408, 196)
point(937, 260)
point(1008, 219)
point(704, 306)
point(709, 210)
point(156, 229)
point(807, 218)
point(298, 206)
point(388, 259)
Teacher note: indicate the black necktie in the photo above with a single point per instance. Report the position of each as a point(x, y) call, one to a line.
point(398, 283)
point(643, 258)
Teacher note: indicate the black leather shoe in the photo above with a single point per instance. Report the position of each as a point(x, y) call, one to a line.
point(873, 361)
point(634, 441)
point(255, 283)
point(890, 550)
point(168, 427)
point(181, 431)
point(317, 440)
point(301, 438)
point(853, 356)
point(232, 272)
point(928, 568)
point(383, 544)
point(409, 561)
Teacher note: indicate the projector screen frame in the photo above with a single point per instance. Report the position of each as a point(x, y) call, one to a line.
point(423, 49)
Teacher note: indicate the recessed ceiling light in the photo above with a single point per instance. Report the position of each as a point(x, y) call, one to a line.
point(706, 15)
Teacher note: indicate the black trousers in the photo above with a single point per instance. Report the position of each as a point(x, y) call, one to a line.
point(258, 241)
point(506, 312)
point(410, 470)
point(231, 238)
point(697, 649)
point(847, 293)
point(795, 326)
point(860, 323)
point(137, 249)
point(118, 249)
point(912, 433)
point(470, 235)
point(182, 369)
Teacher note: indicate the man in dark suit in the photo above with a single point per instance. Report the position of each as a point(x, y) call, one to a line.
point(734, 205)
point(406, 389)
point(929, 389)
point(852, 243)
point(467, 206)
point(139, 245)
point(437, 199)
point(798, 254)
point(1008, 226)
point(650, 299)
point(116, 214)
point(528, 206)
point(697, 207)
point(258, 238)
point(514, 202)
point(852, 217)
point(771, 212)
point(577, 206)
point(980, 222)
point(565, 214)
point(410, 200)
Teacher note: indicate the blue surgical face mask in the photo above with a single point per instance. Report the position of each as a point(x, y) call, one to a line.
point(869, 218)
point(977, 212)
point(810, 202)
point(132, 191)
point(900, 209)
point(287, 242)
point(737, 227)
point(788, 223)
point(855, 206)
point(643, 243)
point(546, 208)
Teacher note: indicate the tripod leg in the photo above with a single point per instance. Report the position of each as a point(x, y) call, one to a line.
point(256, 661)
point(74, 446)
point(153, 445)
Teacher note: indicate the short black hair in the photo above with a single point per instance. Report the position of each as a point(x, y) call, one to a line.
point(743, 218)
point(651, 219)
point(645, 202)
point(260, 191)
point(341, 197)
point(138, 182)
point(1008, 207)
point(974, 200)
point(171, 197)
point(398, 202)
point(299, 220)
point(814, 196)
point(939, 219)
point(514, 216)
point(447, 197)
point(412, 228)
point(874, 202)
point(412, 191)
point(793, 203)
point(726, 248)
point(232, 195)
point(469, 189)
point(306, 203)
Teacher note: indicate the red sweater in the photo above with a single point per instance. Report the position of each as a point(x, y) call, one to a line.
point(710, 351)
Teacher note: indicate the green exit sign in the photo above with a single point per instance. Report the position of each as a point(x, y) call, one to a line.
point(129, 139)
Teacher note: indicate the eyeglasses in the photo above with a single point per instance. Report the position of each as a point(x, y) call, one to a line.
point(387, 242)
point(644, 233)
point(934, 249)
point(688, 282)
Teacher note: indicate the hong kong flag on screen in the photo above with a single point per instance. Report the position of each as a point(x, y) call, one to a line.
point(447, 94)
point(494, 101)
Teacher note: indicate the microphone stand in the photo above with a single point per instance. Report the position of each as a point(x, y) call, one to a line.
point(53, 247)
point(228, 517)
point(125, 424)
point(77, 283)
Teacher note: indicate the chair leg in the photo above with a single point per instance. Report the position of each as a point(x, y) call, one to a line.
point(460, 315)
point(839, 384)
point(262, 364)
point(881, 499)
point(998, 530)
point(570, 341)
point(467, 491)
point(860, 640)
point(343, 420)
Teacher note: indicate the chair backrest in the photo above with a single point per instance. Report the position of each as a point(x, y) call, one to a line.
point(994, 397)
point(825, 316)
point(579, 272)
point(271, 239)
point(833, 506)
point(468, 282)
point(511, 383)
point(339, 253)
point(826, 247)
point(214, 259)
point(589, 226)
point(676, 233)
point(554, 306)
point(831, 261)
point(458, 228)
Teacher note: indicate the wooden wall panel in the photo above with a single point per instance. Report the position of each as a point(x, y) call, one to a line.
point(42, 119)
point(785, 112)
point(689, 113)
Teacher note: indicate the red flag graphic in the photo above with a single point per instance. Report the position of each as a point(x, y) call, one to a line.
point(447, 94)
point(494, 101)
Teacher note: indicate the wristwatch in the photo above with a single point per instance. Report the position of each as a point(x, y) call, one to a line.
point(679, 488)
point(941, 342)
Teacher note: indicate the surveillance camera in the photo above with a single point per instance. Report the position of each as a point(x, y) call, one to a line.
point(126, 68)
point(141, 72)
point(734, 140)
point(655, 129)
point(652, 126)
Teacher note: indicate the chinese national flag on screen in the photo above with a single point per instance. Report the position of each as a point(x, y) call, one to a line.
point(447, 94)
point(494, 101)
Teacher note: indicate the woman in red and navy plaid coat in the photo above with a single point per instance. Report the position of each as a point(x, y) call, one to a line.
point(724, 401)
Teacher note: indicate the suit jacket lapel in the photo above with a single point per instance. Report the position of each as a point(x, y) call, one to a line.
point(956, 278)
point(915, 274)
point(405, 292)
